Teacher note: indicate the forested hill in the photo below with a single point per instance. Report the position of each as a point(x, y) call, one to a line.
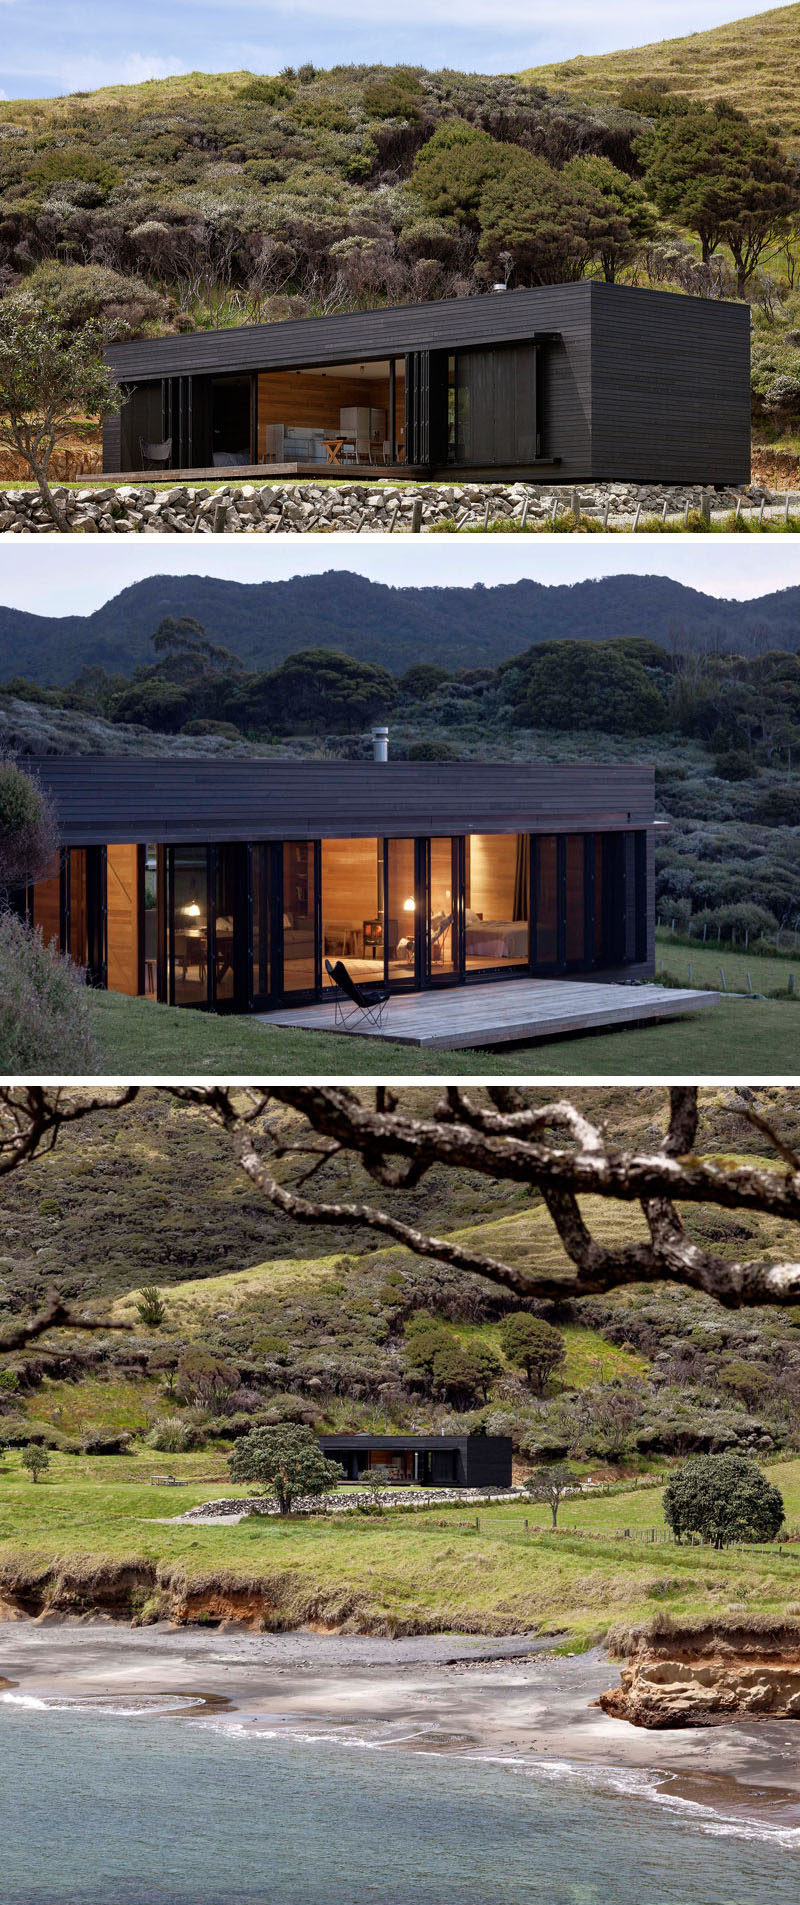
point(476, 627)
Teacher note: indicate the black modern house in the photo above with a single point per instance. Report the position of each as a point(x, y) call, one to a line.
point(574, 382)
point(227, 884)
point(438, 1461)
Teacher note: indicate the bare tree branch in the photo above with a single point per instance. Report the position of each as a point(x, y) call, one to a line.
point(56, 1315)
point(512, 1141)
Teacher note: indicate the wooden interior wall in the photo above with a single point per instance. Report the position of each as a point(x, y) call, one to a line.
point(288, 398)
point(491, 868)
point(47, 908)
point(349, 880)
point(124, 902)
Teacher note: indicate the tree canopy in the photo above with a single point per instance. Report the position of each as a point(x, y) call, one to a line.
point(533, 1345)
point(286, 1462)
point(723, 1498)
point(49, 376)
point(727, 180)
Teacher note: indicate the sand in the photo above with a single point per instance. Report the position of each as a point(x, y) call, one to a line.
point(502, 1699)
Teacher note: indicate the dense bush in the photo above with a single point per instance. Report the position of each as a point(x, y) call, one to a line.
point(44, 1007)
point(723, 1498)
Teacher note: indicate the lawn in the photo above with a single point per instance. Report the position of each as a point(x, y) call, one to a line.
point(744, 1038)
point(692, 963)
point(435, 1569)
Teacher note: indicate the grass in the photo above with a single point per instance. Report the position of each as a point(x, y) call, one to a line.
point(753, 62)
point(769, 975)
point(589, 1357)
point(137, 1038)
point(432, 1569)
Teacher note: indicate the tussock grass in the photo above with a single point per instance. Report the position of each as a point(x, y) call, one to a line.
point(753, 62)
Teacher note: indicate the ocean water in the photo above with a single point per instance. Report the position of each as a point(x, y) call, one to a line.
point(143, 1807)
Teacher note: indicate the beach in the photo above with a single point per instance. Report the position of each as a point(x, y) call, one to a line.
point(497, 1700)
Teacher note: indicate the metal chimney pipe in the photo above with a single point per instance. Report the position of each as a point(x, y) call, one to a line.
point(380, 744)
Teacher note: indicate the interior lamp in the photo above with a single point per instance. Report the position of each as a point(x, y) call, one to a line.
point(192, 910)
point(409, 906)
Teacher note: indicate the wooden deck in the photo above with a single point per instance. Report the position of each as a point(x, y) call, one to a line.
point(238, 473)
point(510, 1012)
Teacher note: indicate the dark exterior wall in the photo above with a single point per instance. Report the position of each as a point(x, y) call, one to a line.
point(638, 385)
point(105, 800)
point(670, 387)
point(559, 312)
point(482, 1461)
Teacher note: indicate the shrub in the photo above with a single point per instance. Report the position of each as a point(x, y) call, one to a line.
point(44, 1006)
point(172, 1435)
point(151, 1308)
point(106, 1442)
point(432, 751)
point(740, 918)
point(28, 835)
point(779, 806)
point(36, 1460)
point(723, 1498)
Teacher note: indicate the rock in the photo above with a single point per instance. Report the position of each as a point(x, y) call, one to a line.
point(669, 1693)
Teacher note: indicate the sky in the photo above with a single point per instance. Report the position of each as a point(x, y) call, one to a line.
point(62, 46)
point(71, 578)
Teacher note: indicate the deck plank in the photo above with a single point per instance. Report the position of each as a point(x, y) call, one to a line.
point(506, 1013)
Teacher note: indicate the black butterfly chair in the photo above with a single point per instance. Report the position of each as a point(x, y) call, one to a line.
point(364, 1002)
point(155, 455)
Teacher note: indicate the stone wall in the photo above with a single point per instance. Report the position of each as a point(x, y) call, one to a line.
point(295, 508)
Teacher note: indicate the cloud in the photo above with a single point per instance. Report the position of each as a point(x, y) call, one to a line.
point(126, 69)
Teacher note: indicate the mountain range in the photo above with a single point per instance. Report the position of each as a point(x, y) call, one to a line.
point(476, 627)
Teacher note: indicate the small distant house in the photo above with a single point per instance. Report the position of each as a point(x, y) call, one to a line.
point(568, 383)
point(437, 1461)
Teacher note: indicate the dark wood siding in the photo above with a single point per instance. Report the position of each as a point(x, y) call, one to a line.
point(104, 800)
point(670, 388)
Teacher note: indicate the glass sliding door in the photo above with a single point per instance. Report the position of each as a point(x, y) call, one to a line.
point(300, 881)
point(187, 925)
point(546, 903)
point(226, 936)
point(352, 908)
point(402, 907)
point(496, 901)
point(262, 901)
point(442, 960)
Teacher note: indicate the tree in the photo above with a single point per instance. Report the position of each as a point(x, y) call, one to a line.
point(151, 1308)
point(726, 180)
point(35, 1460)
point(551, 1485)
point(462, 1374)
point(205, 1378)
point(286, 1462)
point(723, 1498)
point(48, 378)
point(28, 832)
point(624, 218)
point(509, 1134)
point(318, 687)
point(582, 684)
point(532, 1345)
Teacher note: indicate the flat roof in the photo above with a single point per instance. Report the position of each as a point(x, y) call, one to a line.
point(432, 1441)
point(166, 801)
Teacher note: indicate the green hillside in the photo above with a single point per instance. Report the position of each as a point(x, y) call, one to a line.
point(752, 62)
point(260, 1326)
